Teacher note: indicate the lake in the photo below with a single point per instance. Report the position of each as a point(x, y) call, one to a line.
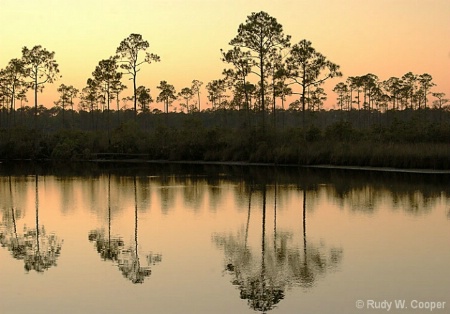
point(118, 238)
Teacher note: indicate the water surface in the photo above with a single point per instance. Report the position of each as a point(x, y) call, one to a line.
point(204, 239)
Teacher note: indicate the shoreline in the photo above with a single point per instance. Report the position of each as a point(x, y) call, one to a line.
point(250, 164)
point(243, 164)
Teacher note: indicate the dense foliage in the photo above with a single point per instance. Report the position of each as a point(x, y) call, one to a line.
point(407, 139)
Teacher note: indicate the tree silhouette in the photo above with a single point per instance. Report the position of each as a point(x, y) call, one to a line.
point(393, 85)
point(167, 94)
point(280, 87)
point(186, 94)
point(216, 90)
point(309, 68)
point(341, 89)
point(66, 95)
point(129, 50)
point(89, 98)
point(41, 68)
point(261, 35)
point(409, 91)
point(242, 68)
point(354, 84)
point(316, 99)
point(196, 84)
point(425, 81)
point(117, 88)
point(12, 83)
point(107, 77)
point(441, 101)
point(409, 88)
point(370, 87)
point(144, 98)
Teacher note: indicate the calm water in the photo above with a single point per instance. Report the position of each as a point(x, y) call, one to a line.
point(185, 239)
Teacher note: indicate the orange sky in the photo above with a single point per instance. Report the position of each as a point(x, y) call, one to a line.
point(384, 37)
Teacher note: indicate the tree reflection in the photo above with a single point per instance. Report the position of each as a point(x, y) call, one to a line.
point(38, 249)
point(263, 277)
point(256, 277)
point(107, 247)
point(114, 249)
point(8, 229)
point(314, 261)
point(129, 262)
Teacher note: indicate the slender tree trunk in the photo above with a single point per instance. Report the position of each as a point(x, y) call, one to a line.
point(108, 115)
point(118, 109)
point(248, 217)
point(261, 63)
point(303, 95)
point(136, 222)
point(72, 113)
point(37, 213)
point(275, 220)
point(35, 102)
point(134, 93)
point(351, 100)
point(359, 101)
point(274, 105)
point(63, 114)
point(13, 214)
point(13, 109)
point(304, 220)
point(109, 212)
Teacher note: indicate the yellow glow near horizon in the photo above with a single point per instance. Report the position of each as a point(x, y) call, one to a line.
point(384, 37)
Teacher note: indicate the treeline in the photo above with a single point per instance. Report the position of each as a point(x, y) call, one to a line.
point(265, 71)
point(405, 139)
point(368, 92)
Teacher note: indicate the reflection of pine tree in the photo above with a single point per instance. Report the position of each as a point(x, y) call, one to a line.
point(10, 239)
point(38, 250)
point(129, 262)
point(258, 282)
point(314, 261)
point(41, 250)
point(131, 268)
point(113, 248)
point(107, 247)
point(8, 229)
point(263, 280)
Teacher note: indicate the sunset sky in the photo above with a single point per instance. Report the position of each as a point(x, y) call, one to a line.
point(383, 37)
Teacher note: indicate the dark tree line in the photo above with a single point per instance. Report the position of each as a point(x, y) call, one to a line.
point(367, 92)
point(264, 68)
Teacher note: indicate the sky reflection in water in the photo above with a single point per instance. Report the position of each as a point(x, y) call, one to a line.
point(220, 240)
